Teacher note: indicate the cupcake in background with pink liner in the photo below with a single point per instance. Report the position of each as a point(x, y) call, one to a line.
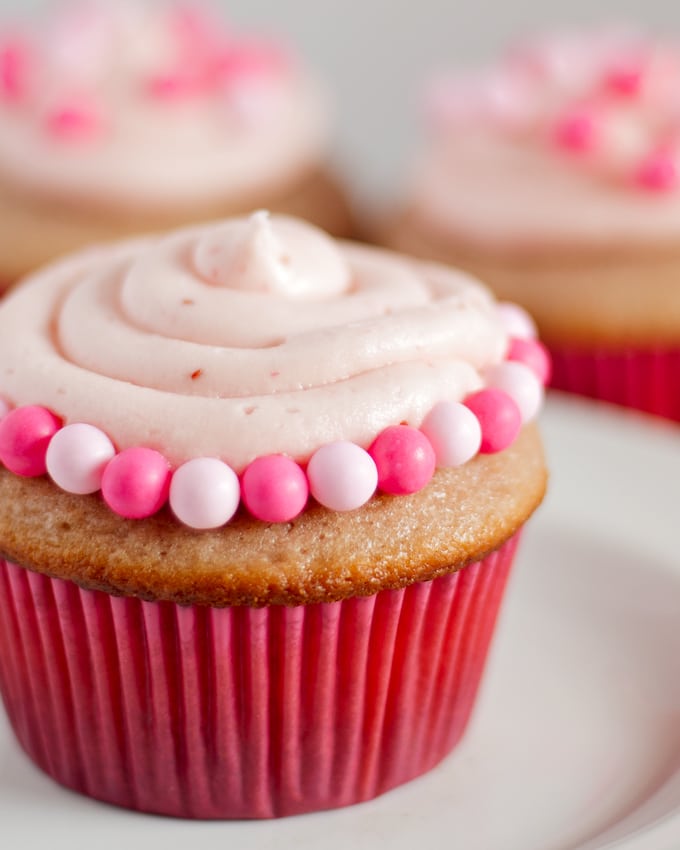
point(555, 176)
point(260, 495)
point(131, 117)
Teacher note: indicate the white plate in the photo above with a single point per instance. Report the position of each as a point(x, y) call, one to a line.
point(576, 741)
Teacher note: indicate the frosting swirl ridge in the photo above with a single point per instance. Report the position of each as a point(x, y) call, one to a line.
point(250, 337)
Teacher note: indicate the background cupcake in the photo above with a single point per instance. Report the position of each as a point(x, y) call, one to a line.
point(128, 117)
point(554, 175)
point(222, 616)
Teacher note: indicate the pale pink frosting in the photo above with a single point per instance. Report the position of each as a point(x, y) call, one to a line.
point(496, 190)
point(550, 145)
point(245, 338)
point(109, 108)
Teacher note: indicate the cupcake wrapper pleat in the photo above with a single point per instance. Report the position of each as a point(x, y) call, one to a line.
point(238, 712)
point(647, 380)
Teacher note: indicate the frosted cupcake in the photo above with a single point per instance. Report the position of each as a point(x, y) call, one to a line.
point(555, 176)
point(260, 497)
point(128, 117)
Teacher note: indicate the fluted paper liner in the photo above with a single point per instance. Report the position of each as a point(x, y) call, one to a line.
point(239, 712)
point(647, 380)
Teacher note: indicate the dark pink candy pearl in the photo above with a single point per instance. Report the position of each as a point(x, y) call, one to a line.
point(25, 434)
point(274, 488)
point(658, 172)
point(14, 67)
point(405, 460)
point(533, 354)
point(499, 417)
point(577, 132)
point(136, 483)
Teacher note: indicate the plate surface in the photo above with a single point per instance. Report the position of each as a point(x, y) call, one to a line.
point(576, 741)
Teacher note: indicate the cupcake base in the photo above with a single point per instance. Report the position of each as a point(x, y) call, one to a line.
point(646, 380)
point(201, 712)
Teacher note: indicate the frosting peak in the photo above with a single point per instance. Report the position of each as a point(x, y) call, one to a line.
point(281, 256)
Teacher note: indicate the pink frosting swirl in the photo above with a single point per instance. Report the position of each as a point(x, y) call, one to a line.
point(253, 336)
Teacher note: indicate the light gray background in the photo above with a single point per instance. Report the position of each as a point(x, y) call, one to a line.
point(375, 55)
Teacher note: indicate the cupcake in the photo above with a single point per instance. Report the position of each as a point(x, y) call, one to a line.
point(555, 176)
point(126, 118)
point(260, 495)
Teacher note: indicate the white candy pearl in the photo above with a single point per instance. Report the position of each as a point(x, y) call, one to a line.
point(342, 476)
point(521, 384)
point(77, 456)
point(516, 321)
point(204, 493)
point(454, 431)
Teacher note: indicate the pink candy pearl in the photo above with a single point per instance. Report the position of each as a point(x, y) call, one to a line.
point(237, 62)
point(499, 418)
point(77, 456)
point(516, 321)
point(342, 476)
point(405, 460)
point(136, 482)
point(274, 488)
point(172, 86)
point(454, 432)
point(521, 384)
point(577, 132)
point(625, 80)
point(658, 172)
point(73, 122)
point(14, 67)
point(533, 354)
point(204, 493)
point(25, 434)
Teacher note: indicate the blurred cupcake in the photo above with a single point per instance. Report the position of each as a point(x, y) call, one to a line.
point(206, 610)
point(555, 176)
point(129, 117)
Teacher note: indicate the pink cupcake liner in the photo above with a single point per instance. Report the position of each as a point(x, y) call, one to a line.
point(202, 712)
point(647, 380)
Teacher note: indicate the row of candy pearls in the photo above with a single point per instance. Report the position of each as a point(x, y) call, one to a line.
point(205, 493)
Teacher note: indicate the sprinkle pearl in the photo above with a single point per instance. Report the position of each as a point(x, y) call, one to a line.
point(521, 384)
point(577, 133)
point(658, 172)
point(499, 417)
point(204, 493)
point(14, 65)
point(533, 354)
point(135, 484)
point(516, 321)
point(73, 122)
point(25, 434)
point(405, 460)
point(342, 476)
point(454, 432)
point(77, 456)
point(274, 488)
point(625, 80)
